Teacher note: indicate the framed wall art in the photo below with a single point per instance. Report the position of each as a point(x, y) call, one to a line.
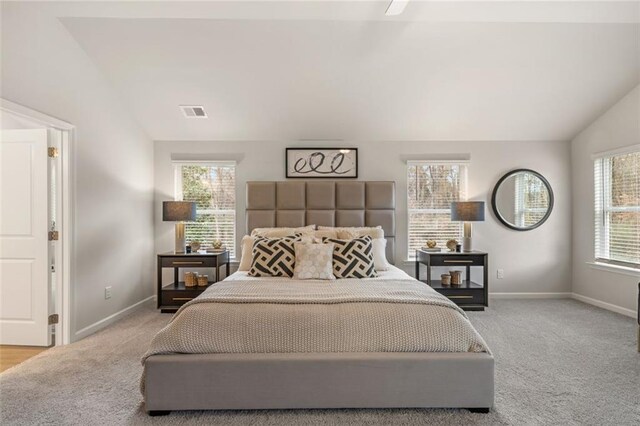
point(318, 163)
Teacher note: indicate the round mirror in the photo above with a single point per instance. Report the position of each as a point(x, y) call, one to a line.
point(522, 199)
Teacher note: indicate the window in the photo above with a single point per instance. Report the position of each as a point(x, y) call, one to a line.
point(617, 208)
point(212, 185)
point(431, 188)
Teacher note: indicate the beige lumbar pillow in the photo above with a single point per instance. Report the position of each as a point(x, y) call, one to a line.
point(348, 233)
point(281, 232)
point(313, 261)
point(325, 233)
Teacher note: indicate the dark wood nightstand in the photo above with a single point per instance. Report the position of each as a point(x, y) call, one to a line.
point(469, 295)
point(174, 295)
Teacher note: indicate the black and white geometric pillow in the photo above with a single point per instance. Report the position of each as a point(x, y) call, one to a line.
point(273, 257)
point(352, 258)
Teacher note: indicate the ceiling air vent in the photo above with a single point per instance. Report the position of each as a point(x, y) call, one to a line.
point(193, 111)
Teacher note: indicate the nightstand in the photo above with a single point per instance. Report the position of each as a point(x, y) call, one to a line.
point(174, 295)
point(470, 295)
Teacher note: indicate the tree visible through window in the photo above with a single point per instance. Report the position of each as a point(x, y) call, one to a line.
point(617, 209)
point(431, 188)
point(212, 186)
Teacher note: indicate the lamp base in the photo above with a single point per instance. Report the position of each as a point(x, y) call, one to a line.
point(180, 243)
point(466, 240)
point(466, 244)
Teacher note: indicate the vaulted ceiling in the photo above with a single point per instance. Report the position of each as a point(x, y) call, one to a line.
point(343, 70)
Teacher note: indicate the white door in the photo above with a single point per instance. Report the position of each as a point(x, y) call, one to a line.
point(24, 276)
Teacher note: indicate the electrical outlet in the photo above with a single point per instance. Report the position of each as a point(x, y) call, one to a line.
point(107, 292)
point(500, 274)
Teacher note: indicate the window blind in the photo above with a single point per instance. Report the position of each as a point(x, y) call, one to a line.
point(617, 208)
point(431, 188)
point(212, 186)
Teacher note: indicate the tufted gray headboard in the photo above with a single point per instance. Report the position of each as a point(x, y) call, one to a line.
point(323, 203)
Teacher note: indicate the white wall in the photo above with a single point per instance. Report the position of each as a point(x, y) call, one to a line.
point(616, 128)
point(536, 261)
point(47, 71)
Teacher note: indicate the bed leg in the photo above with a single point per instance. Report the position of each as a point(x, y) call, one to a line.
point(154, 413)
point(480, 410)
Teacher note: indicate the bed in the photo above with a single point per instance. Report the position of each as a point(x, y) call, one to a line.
point(281, 343)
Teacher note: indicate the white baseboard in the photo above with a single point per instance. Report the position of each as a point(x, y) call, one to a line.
point(530, 295)
point(604, 305)
point(99, 325)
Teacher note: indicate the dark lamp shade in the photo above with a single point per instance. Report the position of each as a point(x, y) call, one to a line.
point(467, 211)
point(178, 211)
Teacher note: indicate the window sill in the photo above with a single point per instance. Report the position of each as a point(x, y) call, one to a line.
point(625, 270)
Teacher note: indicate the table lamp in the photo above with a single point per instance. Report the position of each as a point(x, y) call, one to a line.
point(179, 211)
point(467, 212)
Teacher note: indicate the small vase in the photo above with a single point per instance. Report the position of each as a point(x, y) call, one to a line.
point(446, 280)
point(456, 277)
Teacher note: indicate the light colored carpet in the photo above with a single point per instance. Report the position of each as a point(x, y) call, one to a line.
point(557, 362)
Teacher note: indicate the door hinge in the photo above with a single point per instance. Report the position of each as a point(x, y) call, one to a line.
point(53, 235)
point(53, 319)
point(53, 152)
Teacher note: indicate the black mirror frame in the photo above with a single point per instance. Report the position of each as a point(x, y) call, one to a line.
point(495, 191)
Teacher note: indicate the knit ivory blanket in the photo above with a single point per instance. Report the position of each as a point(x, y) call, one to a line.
point(282, 315)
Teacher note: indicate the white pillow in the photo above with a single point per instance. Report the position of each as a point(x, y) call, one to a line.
point(313, 261)
point(246, 256)
point(380, 262)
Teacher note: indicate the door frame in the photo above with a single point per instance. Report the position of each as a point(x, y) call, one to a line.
point(64, 264)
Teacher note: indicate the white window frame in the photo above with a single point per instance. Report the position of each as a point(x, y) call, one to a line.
point(411, 256)
point(178, 195)
point(603, 207)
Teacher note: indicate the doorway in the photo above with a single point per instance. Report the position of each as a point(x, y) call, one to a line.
point(35, 230)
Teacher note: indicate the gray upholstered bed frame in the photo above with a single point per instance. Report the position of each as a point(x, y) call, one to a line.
point(320, 380)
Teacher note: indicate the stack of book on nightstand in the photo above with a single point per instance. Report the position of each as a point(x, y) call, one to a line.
point(215, 250)
point(431, 250)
